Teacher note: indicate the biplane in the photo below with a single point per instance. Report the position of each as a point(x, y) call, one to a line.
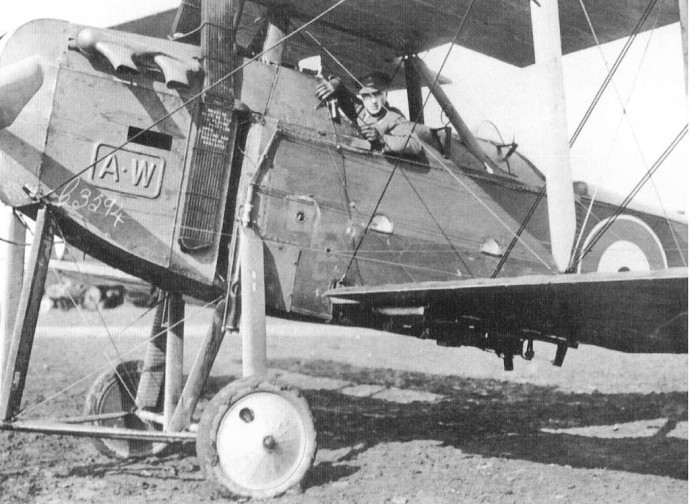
point(202, 163)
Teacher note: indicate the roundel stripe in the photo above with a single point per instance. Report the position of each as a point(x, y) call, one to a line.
point(628, 245)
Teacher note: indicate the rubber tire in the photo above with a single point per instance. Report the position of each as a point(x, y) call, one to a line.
point(215, 412)
point(99, 400)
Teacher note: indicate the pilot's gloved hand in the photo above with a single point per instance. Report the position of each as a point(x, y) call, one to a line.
point(371, 134)
point(327, 88)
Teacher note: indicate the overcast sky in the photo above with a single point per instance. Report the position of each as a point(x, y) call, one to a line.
point(613, 150)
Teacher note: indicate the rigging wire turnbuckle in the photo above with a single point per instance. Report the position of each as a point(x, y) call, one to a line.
point(35, 195)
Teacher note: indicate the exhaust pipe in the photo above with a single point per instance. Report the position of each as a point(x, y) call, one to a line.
point(19, 82)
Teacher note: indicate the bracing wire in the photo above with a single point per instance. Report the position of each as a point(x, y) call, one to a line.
point(16, 215)
point(414, 125)
point(303, 27)
point(627, 118)
point(602, 87)
point(438, 224)
point(523, 225)
point(16, 244)
point(151, 126)
point(102, 320)
point(613, 70)
point(488, 209)
point(128, 352)
point(516, 236)
point(652, 169)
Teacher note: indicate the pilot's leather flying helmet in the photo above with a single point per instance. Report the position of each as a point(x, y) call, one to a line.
point(373, 83)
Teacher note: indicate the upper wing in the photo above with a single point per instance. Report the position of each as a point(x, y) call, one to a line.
point(366, 35)
point(498, 28)
point(630, 312)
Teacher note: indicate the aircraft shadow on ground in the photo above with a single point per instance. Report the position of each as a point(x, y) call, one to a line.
point(488, 418)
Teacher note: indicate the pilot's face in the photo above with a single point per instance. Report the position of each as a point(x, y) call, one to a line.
point(374, 102)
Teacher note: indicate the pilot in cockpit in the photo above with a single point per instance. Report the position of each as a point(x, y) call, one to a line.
point(385, 127)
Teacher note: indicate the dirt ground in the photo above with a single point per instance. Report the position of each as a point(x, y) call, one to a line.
point(399, 421)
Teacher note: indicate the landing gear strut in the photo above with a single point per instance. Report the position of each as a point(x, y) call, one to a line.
point(256, 436)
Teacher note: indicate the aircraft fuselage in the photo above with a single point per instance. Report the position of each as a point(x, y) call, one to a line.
point(329, 210)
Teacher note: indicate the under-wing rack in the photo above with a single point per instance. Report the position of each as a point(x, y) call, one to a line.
point(641, 311)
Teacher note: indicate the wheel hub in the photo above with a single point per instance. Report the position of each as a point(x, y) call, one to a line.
point(269, 443)
point(261, 441)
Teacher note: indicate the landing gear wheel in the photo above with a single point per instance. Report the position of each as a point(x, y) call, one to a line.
point(112, 393)
point(256, 438)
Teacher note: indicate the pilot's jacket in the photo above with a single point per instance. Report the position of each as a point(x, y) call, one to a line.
point(391, 124)
point(394, 130)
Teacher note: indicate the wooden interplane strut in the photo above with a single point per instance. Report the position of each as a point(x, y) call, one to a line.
point(554, 155)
